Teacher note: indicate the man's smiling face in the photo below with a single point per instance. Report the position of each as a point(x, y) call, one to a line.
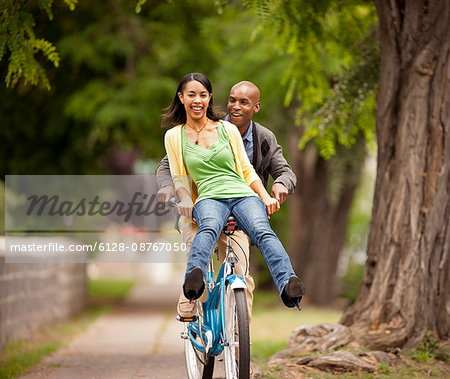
point(243, 103)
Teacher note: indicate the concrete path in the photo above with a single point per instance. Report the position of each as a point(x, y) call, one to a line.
point(141, 339)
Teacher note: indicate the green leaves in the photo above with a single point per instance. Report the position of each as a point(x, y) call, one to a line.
point(19, 40)
point(139, 5)
point(71, 4)
point(333, 70)
point(347, 108)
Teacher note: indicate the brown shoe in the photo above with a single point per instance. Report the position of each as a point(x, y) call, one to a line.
point(186, 308)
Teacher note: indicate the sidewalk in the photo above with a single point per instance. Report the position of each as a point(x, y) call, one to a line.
point(141, 339)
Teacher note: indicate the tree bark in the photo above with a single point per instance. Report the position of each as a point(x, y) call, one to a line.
point(406, 285)
point(319, 220)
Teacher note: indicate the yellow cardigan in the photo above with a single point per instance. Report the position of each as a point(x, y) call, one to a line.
point(172, 142)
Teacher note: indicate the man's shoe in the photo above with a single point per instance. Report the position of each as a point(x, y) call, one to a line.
point(194, 285)
point(186, 308)
point(293, 292)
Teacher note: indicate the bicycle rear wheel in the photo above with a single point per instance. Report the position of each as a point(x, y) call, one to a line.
point(198, 365)
point(237, 335)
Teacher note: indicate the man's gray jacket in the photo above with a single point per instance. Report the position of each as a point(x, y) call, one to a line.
point(267, 159)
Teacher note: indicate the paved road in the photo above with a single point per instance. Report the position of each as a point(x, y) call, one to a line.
point(141, 339)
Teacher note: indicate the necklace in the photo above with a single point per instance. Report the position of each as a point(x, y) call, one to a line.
point(198, 131)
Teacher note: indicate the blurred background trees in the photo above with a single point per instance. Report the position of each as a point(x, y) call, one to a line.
point(316, 64)
point(331, 81)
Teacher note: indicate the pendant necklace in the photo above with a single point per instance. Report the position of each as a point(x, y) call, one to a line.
point(198, 132)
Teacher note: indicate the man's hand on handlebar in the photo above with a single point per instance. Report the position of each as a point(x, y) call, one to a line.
point(164, 194)
point(185, 208)
point(185, 204)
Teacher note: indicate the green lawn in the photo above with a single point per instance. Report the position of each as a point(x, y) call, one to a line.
point(108, 288)
point(272, 323)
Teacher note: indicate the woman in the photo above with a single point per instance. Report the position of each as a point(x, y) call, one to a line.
point(211, 151)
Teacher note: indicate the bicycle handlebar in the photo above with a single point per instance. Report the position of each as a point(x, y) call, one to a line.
point(172, 202)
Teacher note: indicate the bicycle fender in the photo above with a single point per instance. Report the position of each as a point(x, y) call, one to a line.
point(209, 338)
point(236, 281)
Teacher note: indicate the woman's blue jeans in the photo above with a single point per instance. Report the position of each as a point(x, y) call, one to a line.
point(251, 215)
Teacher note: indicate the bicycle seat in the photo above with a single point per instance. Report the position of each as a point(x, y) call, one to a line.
point(231, 225)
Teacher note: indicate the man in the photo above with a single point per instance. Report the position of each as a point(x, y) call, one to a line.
point(267, 158)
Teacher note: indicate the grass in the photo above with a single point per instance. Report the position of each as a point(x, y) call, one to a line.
point(405, 369)
point(19, 356)
point(434, 369)
point(106, 288)
point(429, 349)
point(272, 324)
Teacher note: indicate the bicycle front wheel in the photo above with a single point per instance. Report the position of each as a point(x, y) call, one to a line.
point(237, 336)
point(198, 364)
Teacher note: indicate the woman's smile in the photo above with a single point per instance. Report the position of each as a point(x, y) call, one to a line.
point(195, 98)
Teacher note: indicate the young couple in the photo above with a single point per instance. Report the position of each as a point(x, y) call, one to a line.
point(212, 153)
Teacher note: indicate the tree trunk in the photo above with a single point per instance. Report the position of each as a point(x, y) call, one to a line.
point(319, 217)
point(407, 284)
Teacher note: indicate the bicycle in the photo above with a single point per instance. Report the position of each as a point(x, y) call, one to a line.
point(221, 323)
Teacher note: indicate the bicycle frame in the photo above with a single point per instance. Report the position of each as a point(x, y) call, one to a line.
point(211, 330)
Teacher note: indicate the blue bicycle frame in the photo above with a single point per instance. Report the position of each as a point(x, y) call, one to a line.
point(213, 324)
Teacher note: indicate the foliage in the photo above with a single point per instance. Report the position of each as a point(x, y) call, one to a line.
point(118, 49)
point(117, 72)
point(19, 42)
point(430, 349)
point(348, 109)
point(361, 209)
point(135, 59)
point(351, 281)
point(233, 40)
point(334, 66)
point(329, 79)
point(2, 208)
point(357, 232)
point(345, 168)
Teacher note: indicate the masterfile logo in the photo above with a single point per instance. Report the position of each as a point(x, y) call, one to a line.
point(79, 218)
point(83, 202)
point(141, 204)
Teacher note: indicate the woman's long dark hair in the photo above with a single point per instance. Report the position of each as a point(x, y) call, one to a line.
point(176, 114)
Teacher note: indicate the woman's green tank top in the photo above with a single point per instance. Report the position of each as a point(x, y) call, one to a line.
point(213, 170)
